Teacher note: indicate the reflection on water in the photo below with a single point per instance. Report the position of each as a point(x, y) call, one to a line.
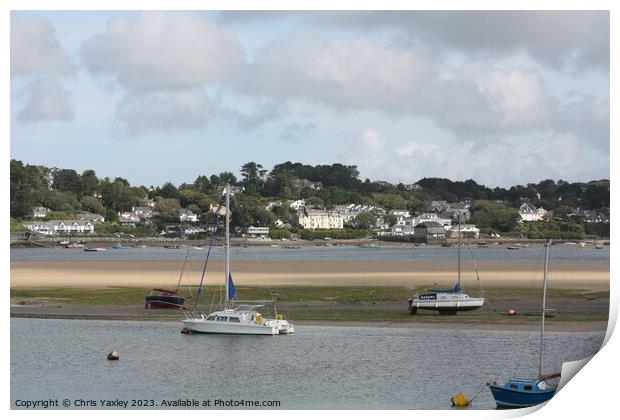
point(316, 368)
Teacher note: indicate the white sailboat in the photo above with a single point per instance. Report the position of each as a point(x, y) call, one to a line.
point(446, 301)
point(243, 319)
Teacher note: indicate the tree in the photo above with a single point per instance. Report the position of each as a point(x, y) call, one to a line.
point(90, 182)
point(168, 191)
point(494, 216)
point(67, 180)
point(91, 204)
point(253, 174)
point(365, 220)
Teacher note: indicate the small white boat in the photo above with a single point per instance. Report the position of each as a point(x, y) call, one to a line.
point(446, 301)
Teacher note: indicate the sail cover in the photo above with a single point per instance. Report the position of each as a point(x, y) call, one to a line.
point(232, 292)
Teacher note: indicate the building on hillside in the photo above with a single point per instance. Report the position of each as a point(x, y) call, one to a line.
point(429, 232)
point(61, 227)
point(297, 204)
point(91, 217)
point(143, 212)
point(39, 212)
point(467, 231)
point(186, 215)
point(529, 212)
point(457, 212)
point(260, 231)
point(432, 217)
point(304, 183)
point(129, 219)
point(438, 206)
point(319, 219)
point(351, 211)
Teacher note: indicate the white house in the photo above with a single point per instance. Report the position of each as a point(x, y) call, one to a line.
point(129, 219)
point(351, 211)
point(91, 217)
point(39, 212)
point(529, 213)
point(432, 217)
point(467, 231)
point(186, 215)
point(61, 227)
point(258, 231)
point(143, 212)
point(320, 219)
point(297, 205)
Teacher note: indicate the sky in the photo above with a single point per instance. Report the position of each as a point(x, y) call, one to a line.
point(501, 97)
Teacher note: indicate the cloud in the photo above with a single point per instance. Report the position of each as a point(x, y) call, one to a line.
point(35, 49)
point(504, 162)
point(167, 111)
point(357, 73)
point(154, 51)
point(46, 100)
point(562, 39)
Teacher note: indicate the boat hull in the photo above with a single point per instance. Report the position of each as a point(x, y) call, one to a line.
point(164, 301)
point(446, 306)
point(509, 398)
point(208, 327)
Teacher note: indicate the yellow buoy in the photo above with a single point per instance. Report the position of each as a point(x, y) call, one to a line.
point(460, 400)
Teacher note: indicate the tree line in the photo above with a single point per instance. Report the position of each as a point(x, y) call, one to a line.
point(65, 191)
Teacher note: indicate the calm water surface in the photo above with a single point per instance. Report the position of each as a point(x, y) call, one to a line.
point(322, 253)
point(316, 368)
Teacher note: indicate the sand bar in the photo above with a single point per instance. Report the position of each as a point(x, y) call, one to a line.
point(590, 275)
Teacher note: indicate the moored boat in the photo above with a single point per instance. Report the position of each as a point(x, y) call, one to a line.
point(446, 301)
point(165, 298)
point(518, 393)
point(242, 319)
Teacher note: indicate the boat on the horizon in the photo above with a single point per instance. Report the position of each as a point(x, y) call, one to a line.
point(447, 301)
point(166, 298)
point(243, 318)
point(517, 392)
point(94, 249)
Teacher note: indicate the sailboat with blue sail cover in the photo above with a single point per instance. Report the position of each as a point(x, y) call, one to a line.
point(517, 393)
point(243, 318)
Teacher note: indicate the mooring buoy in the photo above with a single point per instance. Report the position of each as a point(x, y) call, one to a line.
point(185, 330)
point(113, 355)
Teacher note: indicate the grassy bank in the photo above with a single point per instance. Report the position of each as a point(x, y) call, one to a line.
point(378, 304)
point(293, 294)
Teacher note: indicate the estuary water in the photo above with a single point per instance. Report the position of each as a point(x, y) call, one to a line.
point(316, 368)
point(390, 252)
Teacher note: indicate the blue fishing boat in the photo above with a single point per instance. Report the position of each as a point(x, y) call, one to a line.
point(518, 393)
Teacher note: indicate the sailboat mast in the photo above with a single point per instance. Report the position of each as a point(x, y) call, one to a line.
point(227, 269)
point(544, 309)
point(459, 256)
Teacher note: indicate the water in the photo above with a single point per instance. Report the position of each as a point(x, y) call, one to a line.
point(316, 368)
point(322, 253)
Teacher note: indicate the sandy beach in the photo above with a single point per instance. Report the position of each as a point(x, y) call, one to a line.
point(588, 275)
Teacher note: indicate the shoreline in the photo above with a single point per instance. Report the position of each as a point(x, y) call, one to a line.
point(558, 327)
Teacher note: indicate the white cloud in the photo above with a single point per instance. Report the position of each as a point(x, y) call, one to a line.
point(46, 100)
point(500, 163)
point(35, 49)
point(154, 51)
point(363, 73)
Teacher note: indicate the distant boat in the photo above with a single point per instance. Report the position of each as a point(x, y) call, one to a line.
point(513, 247)
point(517, 393)
point(446, 301)
point(119, 246)
point(243, 319)
point(165, 298)
point(74, 245)
point(94, 249)
point(582, 245)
